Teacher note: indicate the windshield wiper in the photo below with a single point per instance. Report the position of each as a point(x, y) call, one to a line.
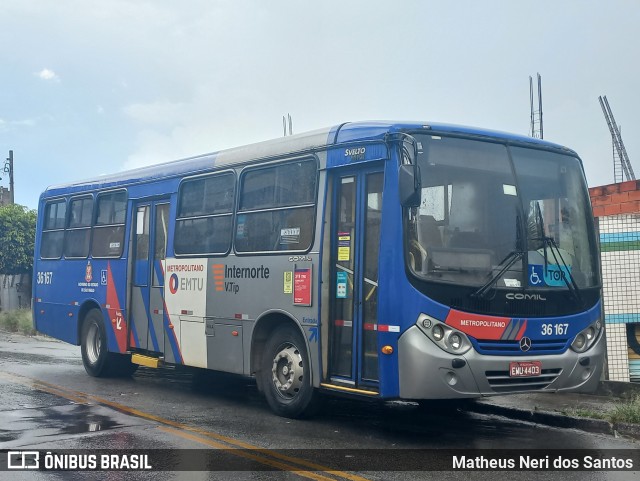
point(550, 242)
point(571, 282)
point(510, 259)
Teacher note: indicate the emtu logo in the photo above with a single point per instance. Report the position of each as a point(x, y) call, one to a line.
point(173, 283)
point(218, 276)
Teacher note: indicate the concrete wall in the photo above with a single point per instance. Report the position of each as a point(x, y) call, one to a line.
point(15, 291)
point(616, 208)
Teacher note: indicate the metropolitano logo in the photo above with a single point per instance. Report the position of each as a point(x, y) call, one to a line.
point(23, 460)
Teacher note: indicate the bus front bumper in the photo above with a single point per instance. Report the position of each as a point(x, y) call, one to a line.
point(428, 372)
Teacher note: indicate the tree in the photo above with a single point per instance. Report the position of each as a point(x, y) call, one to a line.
point(17, 237)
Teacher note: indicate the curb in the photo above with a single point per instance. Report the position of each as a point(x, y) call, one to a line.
point(559, 420)
point(626, 429)
point(618, 389)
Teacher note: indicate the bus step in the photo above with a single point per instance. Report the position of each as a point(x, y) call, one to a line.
point(336, 387)
point(145, 360)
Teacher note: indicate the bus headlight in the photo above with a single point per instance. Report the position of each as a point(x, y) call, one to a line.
point(585, 338)
point(445, 337)
point(455, 341)
point(438, 333)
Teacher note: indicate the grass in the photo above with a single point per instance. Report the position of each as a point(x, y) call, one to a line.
point(586, 413)
point(18, 320)
point(625, 412)
point(628, 412)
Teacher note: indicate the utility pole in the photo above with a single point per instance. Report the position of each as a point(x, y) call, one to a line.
point(10, 159)
point(8, 169)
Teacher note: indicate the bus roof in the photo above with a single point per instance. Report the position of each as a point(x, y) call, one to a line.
point(350, 132)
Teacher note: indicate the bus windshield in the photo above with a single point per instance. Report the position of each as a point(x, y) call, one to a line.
point(493, 215)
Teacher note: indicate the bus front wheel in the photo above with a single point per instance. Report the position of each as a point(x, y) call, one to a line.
point(94, 344)
point(286, 376)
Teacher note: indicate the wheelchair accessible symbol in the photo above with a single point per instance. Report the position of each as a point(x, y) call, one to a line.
point(536, 277)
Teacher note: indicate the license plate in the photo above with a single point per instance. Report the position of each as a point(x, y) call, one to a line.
point(525, 369)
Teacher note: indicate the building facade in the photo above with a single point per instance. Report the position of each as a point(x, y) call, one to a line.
point(616, 208)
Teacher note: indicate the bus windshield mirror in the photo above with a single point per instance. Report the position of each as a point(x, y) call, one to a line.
point(409, 194)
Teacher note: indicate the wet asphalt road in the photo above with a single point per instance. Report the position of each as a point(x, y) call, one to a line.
point(47, 401)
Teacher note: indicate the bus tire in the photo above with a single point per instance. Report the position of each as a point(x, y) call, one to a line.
point(286, 375)
point(93, 341)
point(122, 365)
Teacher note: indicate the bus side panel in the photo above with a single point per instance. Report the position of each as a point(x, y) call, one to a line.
point(52, 317)
point(391, 281)
point(399, 303)
point(63, 289)
point(113, 288)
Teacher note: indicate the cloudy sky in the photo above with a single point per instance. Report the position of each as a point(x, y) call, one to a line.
point(93, 87)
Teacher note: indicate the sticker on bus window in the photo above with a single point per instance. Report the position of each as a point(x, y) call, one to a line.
point(509, 189)
point(344, 246)
point(290, 235)
point(557, 276)
point(240, 227)
point(536, 275)
point(341, 285)
point(552, 275)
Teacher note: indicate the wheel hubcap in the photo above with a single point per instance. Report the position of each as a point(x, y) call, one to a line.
point(288, 371)
point(94, 344)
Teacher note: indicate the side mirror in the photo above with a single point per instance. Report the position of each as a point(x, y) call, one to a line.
point(409, 185)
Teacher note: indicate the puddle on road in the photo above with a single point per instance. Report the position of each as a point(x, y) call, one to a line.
point(83, 420)
point(31, 358)
point(51, 422)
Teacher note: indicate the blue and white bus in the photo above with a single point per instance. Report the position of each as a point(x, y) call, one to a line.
point(375, 259)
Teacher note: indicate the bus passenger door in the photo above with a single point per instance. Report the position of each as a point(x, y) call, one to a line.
point(355, 239)
point(151, 225)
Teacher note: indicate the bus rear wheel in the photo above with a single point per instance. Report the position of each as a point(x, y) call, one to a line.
point(286, 375)
point(94, 344)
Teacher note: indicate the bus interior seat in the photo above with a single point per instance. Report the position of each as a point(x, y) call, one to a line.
point(467, 239)
point(429, 233)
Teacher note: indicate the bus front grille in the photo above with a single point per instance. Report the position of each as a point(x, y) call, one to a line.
point(501, 382)
point(510, 348)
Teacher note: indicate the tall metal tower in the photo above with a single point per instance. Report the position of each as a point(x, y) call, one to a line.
point(621, 162)
point(537, 130)
point(284, 124)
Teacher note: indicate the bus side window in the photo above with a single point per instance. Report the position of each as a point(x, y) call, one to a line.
point(142, 233)
point(53, 230)
point(78, 233)
point(205, 215)
point(276, 211)
point(108, 230)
